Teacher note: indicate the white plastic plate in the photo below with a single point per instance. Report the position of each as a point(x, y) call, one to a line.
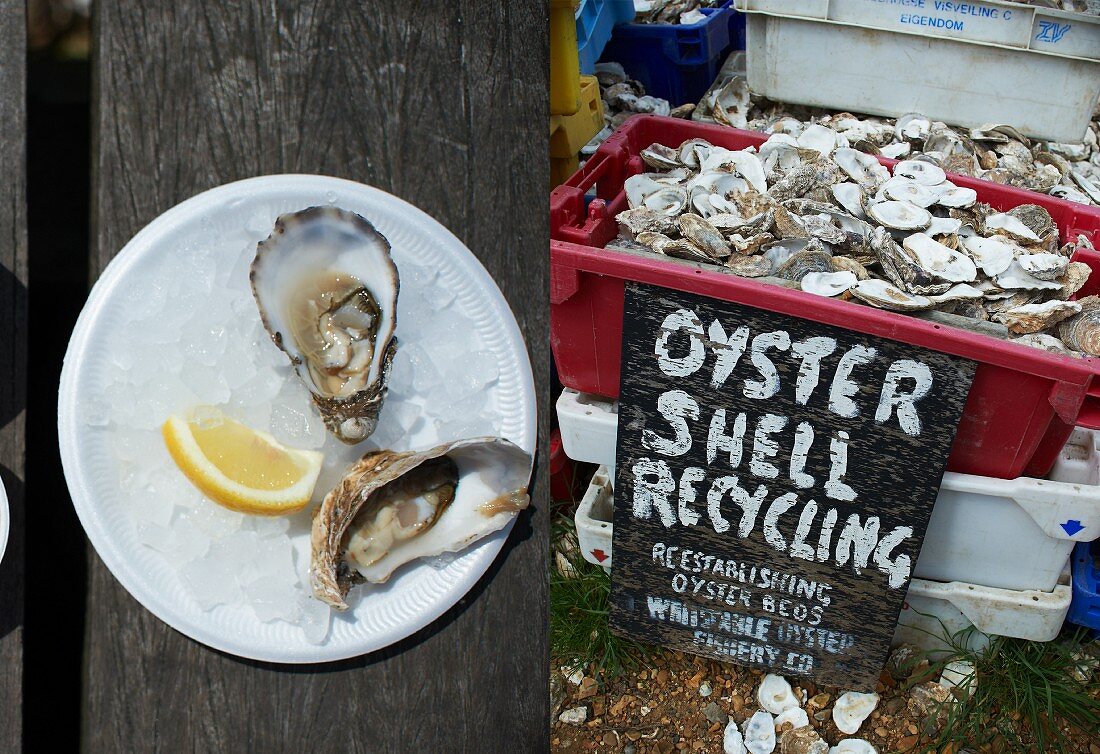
point(5, 520)
point(420, 592)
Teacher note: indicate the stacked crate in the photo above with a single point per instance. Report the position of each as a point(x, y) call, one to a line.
point(994, 491)
point(576, 110)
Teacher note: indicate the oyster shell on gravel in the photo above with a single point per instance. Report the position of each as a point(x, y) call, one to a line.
point(392, 508)
point(327, 288)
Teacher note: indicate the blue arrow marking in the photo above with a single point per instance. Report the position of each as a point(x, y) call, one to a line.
point(1072, 526)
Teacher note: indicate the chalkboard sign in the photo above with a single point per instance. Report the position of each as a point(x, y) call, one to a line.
point(774, 478)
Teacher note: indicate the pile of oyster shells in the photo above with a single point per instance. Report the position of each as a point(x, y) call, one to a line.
point(1091, 7)
point(994, 152)
point(623, 98)
point(671, 11)
point(781, 724)
point(814, 213)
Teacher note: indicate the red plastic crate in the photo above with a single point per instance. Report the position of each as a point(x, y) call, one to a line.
point(1023, 403)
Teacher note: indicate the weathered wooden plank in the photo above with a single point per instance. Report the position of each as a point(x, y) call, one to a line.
point(438, 103)
point(13, 352)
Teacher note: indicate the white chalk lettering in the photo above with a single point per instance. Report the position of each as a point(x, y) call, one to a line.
point(779, 506)
point(763, 446)
point(718, 440)
point(727, 351)
point(653, 483)
point(897, 569)
point(862, 538)
point(825, 538)
point(799, 548)
point(673, 405)
point(803, 441)
point(686, 322)
point(904, 405)
point(768, 385)
point(811, 351)
point(691, 475)
point(838, 456)
point(842, 389)
point(721, 486)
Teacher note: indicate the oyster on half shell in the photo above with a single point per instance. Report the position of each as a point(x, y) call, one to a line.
point(326, 288)
point(392, 508)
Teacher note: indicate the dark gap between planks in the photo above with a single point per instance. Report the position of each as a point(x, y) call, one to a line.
point(58, 182)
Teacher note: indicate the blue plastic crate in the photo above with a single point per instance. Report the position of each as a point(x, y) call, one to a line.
point(1085, 608)
point(678, 62)
point(595, 20)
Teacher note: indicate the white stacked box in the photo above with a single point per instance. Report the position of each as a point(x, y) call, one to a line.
point(966, 63)
point(1002, 533)
point(931, 610)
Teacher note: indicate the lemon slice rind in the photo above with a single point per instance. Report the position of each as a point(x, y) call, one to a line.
point(194, 464)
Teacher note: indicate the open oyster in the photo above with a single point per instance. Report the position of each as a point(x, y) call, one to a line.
point(392, 508)
point(327, 292)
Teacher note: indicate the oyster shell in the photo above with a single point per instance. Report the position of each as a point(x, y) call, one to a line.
point(1005, 224)
point(392, 508)
point(921, 171)
point(1031, 318)
point(1044, 266)
point(1045, 342)
point(801, 263)
point(732, 740)
point(938, 261)
point(826, 284)
point(1017, 278)
point(327, 288)
point(791, 719)
point(957, 196)
point(851, 709)
point(900, 215)
point(853, 746)
point(642, 220)
point(862, 168)
point(1082, 331)
point(804, 740)
point(704, 235)
point(881, 294)
point(775, 694)
point(993, 255)
point(760, 733)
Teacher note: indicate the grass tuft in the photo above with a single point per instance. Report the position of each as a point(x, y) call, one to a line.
point(580, 601)
point(1026, 696)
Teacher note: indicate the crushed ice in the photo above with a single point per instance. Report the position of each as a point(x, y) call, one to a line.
point(192, 335)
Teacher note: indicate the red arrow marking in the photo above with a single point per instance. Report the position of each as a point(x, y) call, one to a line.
point(600, 555)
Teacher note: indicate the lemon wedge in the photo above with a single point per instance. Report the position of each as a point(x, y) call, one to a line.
point(238, 467)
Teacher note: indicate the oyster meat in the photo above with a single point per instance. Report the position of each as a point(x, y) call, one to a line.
point(326, 288)
point(392, 508)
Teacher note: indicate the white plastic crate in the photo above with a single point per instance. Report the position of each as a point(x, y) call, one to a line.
point(934, 609)
point(588, 426)
point(975, 517)
point(1075, 465)
point(968, 64)
point(593, 519)
point(1035, 615)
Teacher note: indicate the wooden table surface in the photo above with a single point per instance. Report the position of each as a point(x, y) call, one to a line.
point(438, 103)
point(13, 357)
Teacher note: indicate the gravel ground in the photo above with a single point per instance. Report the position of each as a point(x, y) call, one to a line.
point(664, 709)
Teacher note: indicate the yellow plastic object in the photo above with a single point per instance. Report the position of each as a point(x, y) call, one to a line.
point(568, 133)
point(565, 67)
